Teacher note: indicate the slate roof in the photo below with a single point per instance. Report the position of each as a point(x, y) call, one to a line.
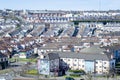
point(52, 56)
point(84, 56)
point(91, 53)
point(15, 32)
point(95, 49)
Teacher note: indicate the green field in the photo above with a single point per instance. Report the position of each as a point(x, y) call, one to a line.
point(32, 72)
point(5, 71)
point(22, 60)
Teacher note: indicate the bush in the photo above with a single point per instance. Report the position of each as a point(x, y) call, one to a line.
point(69, 78)
point(75, 75)
point(77, 71)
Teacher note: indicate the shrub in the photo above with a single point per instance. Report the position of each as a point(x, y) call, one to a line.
point(75, 75)
point(77, 71)
point(68, 77)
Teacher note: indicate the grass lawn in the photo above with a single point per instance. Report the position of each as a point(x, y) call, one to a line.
point(22, 59)
point(71, 76)
point(5, 71)
point(32, 72)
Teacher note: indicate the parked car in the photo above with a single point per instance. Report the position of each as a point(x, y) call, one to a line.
point(69, 78)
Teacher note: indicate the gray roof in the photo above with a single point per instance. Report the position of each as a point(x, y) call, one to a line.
point(91, 53)
point(49, 47)
point(15, 32)
point(52, 56)
point(84, 56)
point(95, 49)
point(116, 33)
point(44, 11)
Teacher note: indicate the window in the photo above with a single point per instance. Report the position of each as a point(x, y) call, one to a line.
point(83, 66)
point(100, 67)
point(61, 59)
point(68, 59)
point(100, 61)
point(96, 62)
point(64, 59)
point(96, 66)
point(4, 59)
point(104, 62)
point(82, 61)
point(1, 59)
point(68, 64)
point(96, 71)
point(75, 59)
point(105, 68)
point(112, 64)
point(74, 64)
point(104, 72)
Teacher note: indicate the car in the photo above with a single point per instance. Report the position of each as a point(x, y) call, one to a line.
point(69, 78)
point(81, 79)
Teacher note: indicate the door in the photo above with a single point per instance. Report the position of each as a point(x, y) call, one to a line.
point(89, 66)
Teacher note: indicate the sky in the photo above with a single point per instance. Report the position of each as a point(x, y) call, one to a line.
point(60, 4)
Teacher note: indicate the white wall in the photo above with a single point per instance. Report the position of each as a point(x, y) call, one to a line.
point(100, 65)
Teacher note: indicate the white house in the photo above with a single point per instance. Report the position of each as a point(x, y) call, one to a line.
point(92, 59)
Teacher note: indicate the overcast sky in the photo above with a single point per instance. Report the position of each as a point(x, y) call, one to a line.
point(61, 4)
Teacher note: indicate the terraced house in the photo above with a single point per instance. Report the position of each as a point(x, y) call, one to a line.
point(3, 61)
point(91, 60)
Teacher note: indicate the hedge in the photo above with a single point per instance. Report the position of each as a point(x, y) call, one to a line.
point(77, 71)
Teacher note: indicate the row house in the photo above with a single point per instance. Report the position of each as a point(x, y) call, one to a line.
point(26, 53)
point(91, 62)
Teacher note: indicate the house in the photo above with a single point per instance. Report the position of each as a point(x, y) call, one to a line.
point(16, 33)
point(3, 49)
point(92, 59)
point(48, 64)
point(3, 61)
point(25, 53)
point(114, 49)
point(50, 47)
